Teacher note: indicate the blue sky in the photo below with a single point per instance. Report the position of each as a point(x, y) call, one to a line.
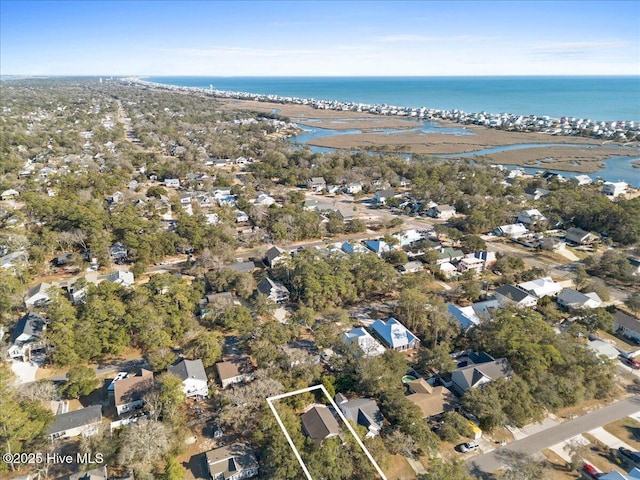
point(298, 38)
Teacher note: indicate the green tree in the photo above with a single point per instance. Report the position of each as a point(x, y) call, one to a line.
point(440, 470)
point(207, 346)
point(633, 302)
point(81, 381)
point(171, 396)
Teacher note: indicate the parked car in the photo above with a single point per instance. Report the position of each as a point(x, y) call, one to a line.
point(468, 446)
point(590, 471)
point(629, 456)
point(632, 362)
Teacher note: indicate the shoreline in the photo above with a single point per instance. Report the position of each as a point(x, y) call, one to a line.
point(586, 155)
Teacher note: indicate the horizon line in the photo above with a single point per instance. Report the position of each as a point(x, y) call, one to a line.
point(46, 75)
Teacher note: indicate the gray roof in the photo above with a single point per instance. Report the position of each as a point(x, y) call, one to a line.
point(513, 293)
point(30, 324)
point(319, 423)
point(577, 235)
point(99, 473)
point(627, 321)
point(241, 266)
point(266, 285)
point(499, 368)
point(273, 253)
point(75, 419)
point(188, 369)
point(570, 296)
point(363, 411)
point(230, 460)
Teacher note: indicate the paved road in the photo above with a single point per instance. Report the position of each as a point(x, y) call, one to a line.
point(484, 465)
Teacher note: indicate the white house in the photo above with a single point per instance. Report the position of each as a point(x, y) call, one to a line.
point(38, 295)
point(614, 189)
point(531, 217)
point(241, 217)
point(316, 184)
point(581, 180)
point(275, 291)
point(121, 277)
point(395, 335)
point(353, 188)
point(193, 376)
point(232, 462)
point(9, 194)
point(511, 295)
point(381, 196)
point(369, 345)
point(541, 287)
point(443, 212)
point(573, 300)
point(172, 182)
point(515, 230)
point(471, 263)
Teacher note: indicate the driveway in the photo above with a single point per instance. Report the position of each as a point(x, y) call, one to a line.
point(486, 464)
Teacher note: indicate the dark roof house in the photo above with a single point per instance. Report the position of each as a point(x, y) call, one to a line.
point(362, 411)
point(319, 423)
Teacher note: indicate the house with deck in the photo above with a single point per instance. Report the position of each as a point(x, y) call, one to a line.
point(232, 462)
point(394, 335)
point(361, 411)
point(194, 378)
point(84, 422)
point(365, 342)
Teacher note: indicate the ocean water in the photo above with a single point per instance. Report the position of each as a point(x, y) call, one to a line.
point(595, 98)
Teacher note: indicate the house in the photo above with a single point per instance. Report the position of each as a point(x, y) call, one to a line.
point(614, 189)
point(241, 161)
point(634, 474)
point(232, 462)
point(85, 422)
point(316, 184)
point(241, 267)
point(377, 246)
point(9, 194)
point(515, 230)
point(381, 196)
point(213, 301)
point(349, 247)
point(347, 213)
point(472, 315)
point(177, 150)
point(360, 337)
point(26, 335)
point(443, 212)
point(394, 335)
point(275, 291)
point(172, 182)
point(12, 260)
point(185, 200)
point(626, 325)
point(571, 299)
point(121, 277)
point(408, 237)
point(318, 423)
point(531, 217)
point(116, 198)
point(353, 188)
point(361, 411)
point(602, 348)
point(580, 237)
point(118, 252)
point(448, 269)
point(63, 259)
point(478, 374)
point(38, 295)
point(553, 244)
point(274, 256)
point(99, 473)
point(489, 258)
point(430, 400)
point(241, 217)
point(233, 371)
point(581, 180)
point(471, 263)
point(301, 352)
point(541, 287)
point(511, 295)
point(264, 199)
point(536, 193)
point(411, 267)
point(193, 376)
point(635, 265)
point(449, 254)
point(128, 392)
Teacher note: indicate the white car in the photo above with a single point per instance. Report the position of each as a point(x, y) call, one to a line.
point(468, 447)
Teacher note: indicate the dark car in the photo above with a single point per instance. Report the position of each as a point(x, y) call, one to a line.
point(629, 456)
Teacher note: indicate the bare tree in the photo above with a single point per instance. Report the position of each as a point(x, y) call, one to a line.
point(143, 444)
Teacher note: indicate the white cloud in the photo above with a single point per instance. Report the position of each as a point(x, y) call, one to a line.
point(574, 48)
point(236, 52)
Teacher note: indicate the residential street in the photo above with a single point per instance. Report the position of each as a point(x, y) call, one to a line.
point(483, 465)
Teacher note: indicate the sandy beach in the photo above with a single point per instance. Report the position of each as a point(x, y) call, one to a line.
point(585, 159)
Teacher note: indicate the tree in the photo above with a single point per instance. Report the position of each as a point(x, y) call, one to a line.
point(440, 470)
point(23, 422)
point(207, 346)
point(633, 302)
point(520, 466)
point(171, 396)
point(144, 444)
point(81, 381)
point(263, 306)
point(472, 243)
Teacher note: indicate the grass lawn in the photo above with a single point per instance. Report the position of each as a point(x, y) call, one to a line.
point(626, 429)
point(600, 456)
point(558, 467)
point(399, 469)
point(619, 342)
